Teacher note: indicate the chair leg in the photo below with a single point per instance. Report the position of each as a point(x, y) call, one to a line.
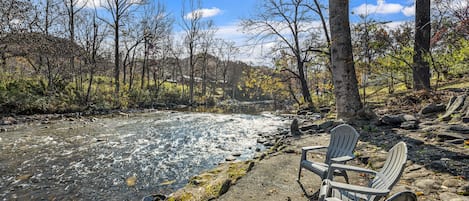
point(344, 173)
point(299, 174)
point(324, 190)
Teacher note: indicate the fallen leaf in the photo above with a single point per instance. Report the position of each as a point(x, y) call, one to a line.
point(168, 182)
point(131, 181)
point(419, 193)
point(24, 177)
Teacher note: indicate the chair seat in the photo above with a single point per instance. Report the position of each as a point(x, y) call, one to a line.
point(378, 187)
point(340, 150)
point(316, 167)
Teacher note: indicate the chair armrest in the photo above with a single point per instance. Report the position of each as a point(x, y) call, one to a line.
point(358, 189)
point(335, 166)
point(304, 150)
point(342, 159)
point(313, 148)
point(352, 168)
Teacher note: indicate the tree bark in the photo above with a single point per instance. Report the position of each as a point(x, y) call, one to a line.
point(421, 68)
point(348, 102)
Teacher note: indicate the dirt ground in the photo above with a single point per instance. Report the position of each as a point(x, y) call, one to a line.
point(274, 178)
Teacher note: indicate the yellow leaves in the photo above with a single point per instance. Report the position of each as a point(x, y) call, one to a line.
point(131, 181)
point(167, 182)
point(24, 177)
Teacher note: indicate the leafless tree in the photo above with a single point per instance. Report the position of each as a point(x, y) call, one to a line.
point(193, 24)
point(92, 34)
point(286, 21)
point(207, 43)
point(73, 7)
point(225, 51)
point(157, 25)
point(118, 9)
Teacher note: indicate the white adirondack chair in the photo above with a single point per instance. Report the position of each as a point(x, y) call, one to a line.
point(379, 187)
point(340, 150)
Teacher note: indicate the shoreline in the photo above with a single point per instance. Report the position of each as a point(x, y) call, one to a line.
point(424, 174)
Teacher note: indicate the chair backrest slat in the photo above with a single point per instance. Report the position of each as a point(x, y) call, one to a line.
point(343, 141)
point(392, 168)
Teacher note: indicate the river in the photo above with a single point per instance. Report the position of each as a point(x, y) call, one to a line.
point(123, 158)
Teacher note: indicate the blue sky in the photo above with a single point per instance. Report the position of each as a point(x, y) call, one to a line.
point(227, 14)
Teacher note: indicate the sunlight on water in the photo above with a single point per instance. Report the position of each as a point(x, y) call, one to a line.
point(84, 160)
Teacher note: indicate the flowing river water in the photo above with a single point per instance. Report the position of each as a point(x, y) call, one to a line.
point(93, 160)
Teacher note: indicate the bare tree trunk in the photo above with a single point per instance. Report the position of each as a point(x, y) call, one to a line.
point(191, 72)
point(144, 66)
point(348, 102)
point(116, 61)
point(421, 68)
point(304, 85)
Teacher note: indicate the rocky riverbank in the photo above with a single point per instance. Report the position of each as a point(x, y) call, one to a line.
point(437, 136)
point(436, 170)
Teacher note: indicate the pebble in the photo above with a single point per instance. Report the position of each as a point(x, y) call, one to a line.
point(447, 196)
point(451, 183)
point(230, 158)
point(427, 185)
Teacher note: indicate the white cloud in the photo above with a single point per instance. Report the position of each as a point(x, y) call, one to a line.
point(92, 3)
point(103, 3)
point(409, 10)
point(395, 24)
point(204, 12)
point(381, 7)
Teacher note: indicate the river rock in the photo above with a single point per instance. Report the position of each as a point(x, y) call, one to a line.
point(449, 136)
point(429, 129)
point(416, 175)
point(432, 108)
point(155, 197)
point(309, 127)
point(408, 117)
point(448, 196)
point(451, 183)
point(463, 190)
point(466, 118)
point(427, 185)
point(230, 158)
point(326, 124)
point(225, 187)
point(8, 121)
point(413, 141)
point(454, 107)
point(459, 128)
point(237, 154)
point(409, 125)
point(294, 127)
point(393, 120)
point(439, 165)
point(450, 102)
point(261, 140)
point(455, 141)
